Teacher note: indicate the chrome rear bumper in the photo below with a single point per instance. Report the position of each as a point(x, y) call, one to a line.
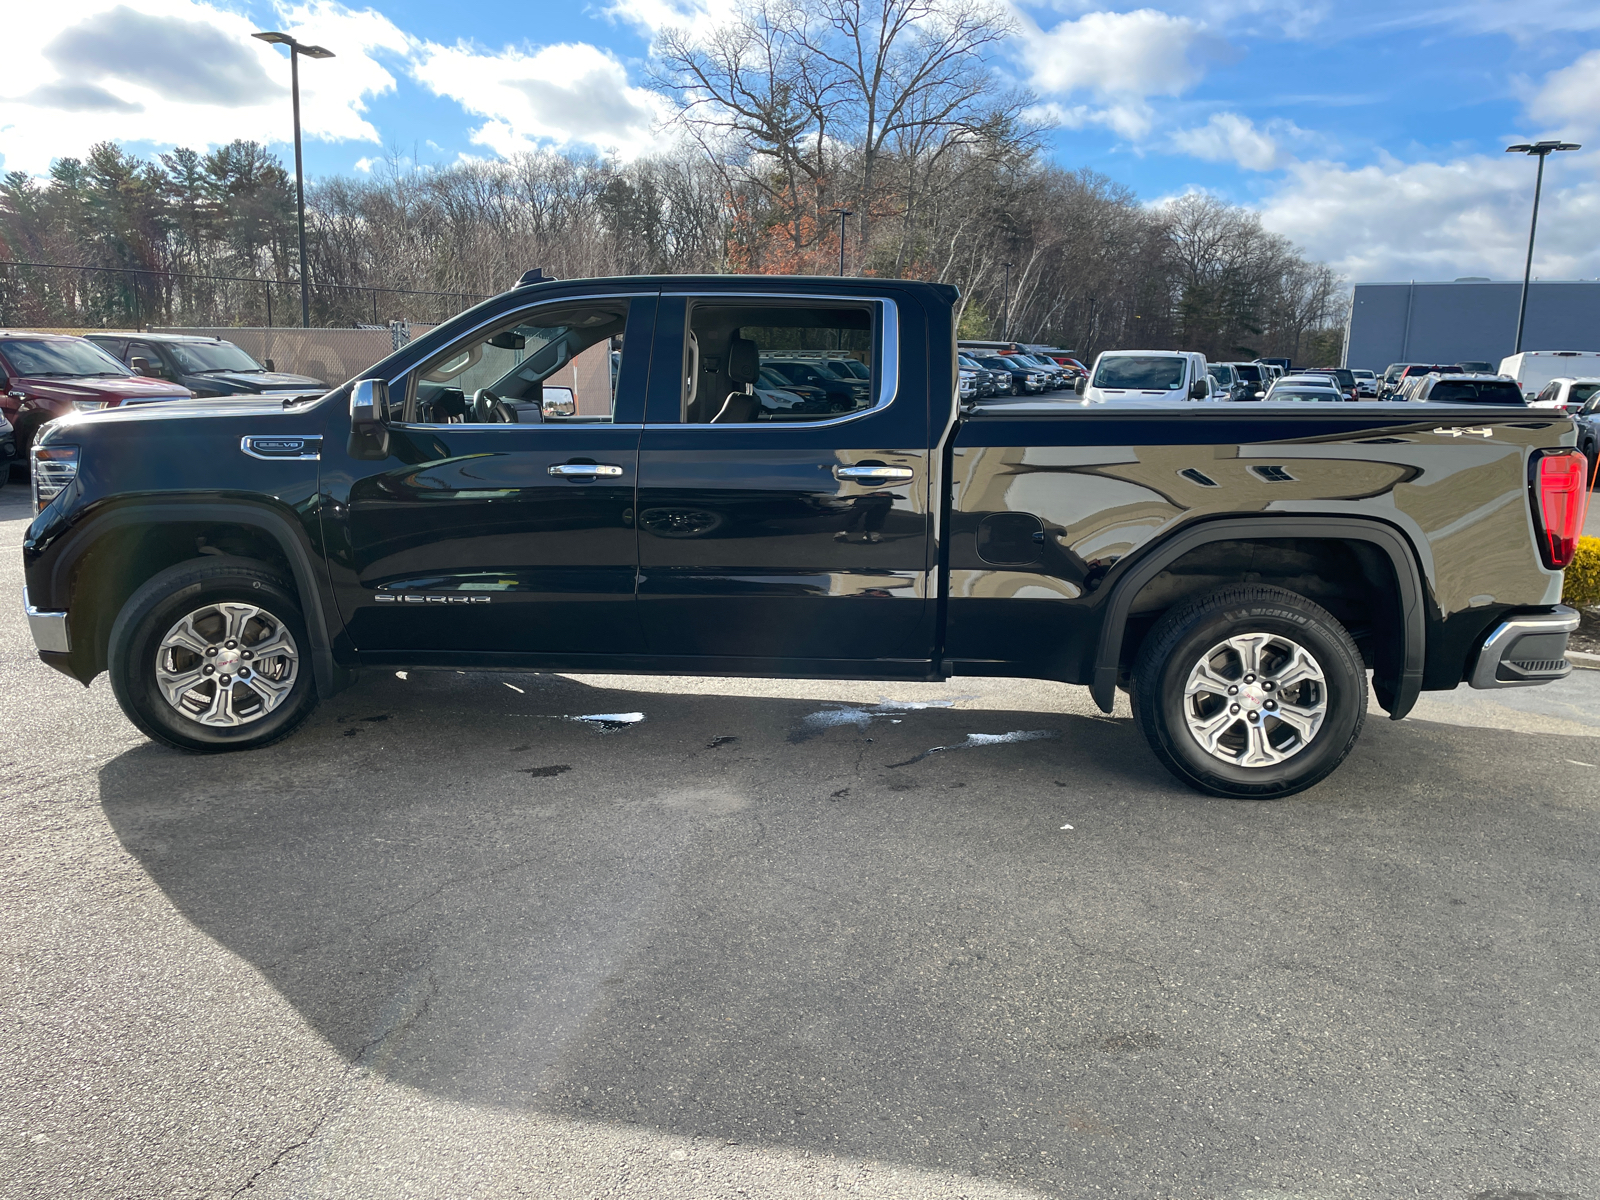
point(1526, 650)
point(49, 629)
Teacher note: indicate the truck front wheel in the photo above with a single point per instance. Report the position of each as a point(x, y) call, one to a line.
point(1250, 692)
point(213, 655)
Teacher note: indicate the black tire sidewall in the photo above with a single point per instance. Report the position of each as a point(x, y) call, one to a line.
point(1160, 695)
point(151, 612)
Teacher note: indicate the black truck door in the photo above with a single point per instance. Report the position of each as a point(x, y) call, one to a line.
point(502, 519)
point(784, 483)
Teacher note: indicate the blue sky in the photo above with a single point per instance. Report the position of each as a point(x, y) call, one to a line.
point(1370, 133)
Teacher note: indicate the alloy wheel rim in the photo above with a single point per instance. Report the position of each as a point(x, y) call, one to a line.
point(227, 664)
point(1255, 700)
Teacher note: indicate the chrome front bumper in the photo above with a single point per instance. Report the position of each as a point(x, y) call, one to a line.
point(1526, 650)
point(49, 629)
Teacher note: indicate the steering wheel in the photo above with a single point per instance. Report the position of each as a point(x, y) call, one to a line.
point(489, 409)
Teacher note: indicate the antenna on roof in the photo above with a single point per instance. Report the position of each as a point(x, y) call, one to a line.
point(536, 275)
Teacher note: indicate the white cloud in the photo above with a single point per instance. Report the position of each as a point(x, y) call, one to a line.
point(365, 165)
point(181, 72)
point(1229, 137)
point(1442, 220)
point(1570, 97)
point(572, 94)
point(1119, 55)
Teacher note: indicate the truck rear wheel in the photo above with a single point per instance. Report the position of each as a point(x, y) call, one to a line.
point(1250, 692)
point(213, 655)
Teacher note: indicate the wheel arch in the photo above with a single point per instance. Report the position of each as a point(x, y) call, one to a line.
point(1398, 694)
point(127, 545)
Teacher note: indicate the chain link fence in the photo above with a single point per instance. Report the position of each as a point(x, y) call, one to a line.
point(37, 295)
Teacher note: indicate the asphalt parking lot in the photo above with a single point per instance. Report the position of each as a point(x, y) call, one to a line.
point(474, 935)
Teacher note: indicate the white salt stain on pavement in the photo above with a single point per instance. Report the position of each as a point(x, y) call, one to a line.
point(860, 717)
point(976, 740)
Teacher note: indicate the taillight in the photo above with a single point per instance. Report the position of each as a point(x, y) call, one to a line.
point(1560, 497)
point(54, 467)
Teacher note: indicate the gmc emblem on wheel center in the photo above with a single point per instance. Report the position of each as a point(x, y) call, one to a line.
point(385, 597)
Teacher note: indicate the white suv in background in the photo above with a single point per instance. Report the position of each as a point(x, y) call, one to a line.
point(1567, 393)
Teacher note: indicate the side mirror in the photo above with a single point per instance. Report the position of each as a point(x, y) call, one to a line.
point(1197, 390)
point(369, 403)
point(558, 402)
point(1080, 384)
point(141, 366)
point(270, 365)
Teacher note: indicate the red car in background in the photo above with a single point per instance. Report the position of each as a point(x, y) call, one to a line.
point(48, 375)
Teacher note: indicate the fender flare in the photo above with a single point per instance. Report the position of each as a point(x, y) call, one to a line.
point(330, 676)
point(1413, 625)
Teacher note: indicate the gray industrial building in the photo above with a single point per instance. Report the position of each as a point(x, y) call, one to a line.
point(1467, 319)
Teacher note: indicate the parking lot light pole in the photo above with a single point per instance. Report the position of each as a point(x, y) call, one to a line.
point(841, 213)
point(1541, 151)
point(296, 49)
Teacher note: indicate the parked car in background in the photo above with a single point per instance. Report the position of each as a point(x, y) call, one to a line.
point(1255, 378)
point(1305, 387)
point(1366, 382)
point(1342, 376)
point(49, 375)
point(1587, 419)
point(991, 382)
point(1146, 375)
point(1284, 366)
point(1389, 381)
point(1227, 380)
point(1413, 372)
point(1461, 388)
point(1533, 369)
point(206, 366)
point(842, 394)
point(8, 448)
point(1567, 394)
point(1057, 376)
point(1025, 379)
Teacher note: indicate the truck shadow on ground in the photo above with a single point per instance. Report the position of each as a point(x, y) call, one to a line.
point(1033, 959)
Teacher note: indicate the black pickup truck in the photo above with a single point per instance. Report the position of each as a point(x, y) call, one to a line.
point(597, 475)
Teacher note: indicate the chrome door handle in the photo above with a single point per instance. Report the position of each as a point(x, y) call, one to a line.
point(586, 470)
point(873, 474)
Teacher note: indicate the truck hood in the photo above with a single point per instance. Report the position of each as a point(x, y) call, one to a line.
point(112, 389)
point(262, 381)
point(184, 409)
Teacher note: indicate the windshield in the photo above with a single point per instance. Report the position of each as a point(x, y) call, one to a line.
point(851, 366)
point(1135, 371)
point(212, 356)
point(1303, 393)
point(1221, 373)
point(1487, 391)
point(1249, 372)
point(67, 358)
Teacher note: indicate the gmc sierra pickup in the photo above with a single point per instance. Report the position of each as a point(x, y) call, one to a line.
point(584, 476)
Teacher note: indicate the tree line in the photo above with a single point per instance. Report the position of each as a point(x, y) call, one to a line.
point(875, 131)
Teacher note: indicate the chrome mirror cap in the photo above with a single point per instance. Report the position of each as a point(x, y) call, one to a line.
point(369, 402)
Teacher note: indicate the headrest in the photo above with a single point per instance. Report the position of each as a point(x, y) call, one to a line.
point(744, 361)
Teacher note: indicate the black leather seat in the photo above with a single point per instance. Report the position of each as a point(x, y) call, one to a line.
point(744, 366)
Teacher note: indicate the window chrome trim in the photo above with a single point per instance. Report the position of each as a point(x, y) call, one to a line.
point(889, 355)
point(546, 302)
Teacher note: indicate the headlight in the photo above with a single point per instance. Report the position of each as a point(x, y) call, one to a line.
point(54, 467)
point(88, 405)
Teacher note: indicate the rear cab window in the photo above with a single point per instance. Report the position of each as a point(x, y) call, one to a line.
point(779, 361)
